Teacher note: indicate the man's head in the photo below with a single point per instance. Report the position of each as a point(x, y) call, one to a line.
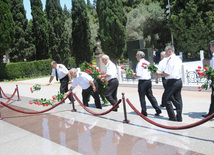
point(53, 64)
point(140, 55)
point(105, 59)
point(163, 54)
point(169, 50)
point(74, 72)
point(212, 46)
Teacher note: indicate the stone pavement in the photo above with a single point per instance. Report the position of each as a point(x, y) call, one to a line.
point(102, 134)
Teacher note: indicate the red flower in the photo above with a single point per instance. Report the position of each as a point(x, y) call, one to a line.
point(122, 68)
point(86, 71)
point(203, 74)
point(38, 103)
point(199, 67)
point(53, 100)
point(199, 89)
point(90, 64)
point(43, 105)
point(53, 97)
point(144, 63)
point(198, 70)
point(90, 71)
point(101, 74)
point(31, 89)
point(46, 104)
point(98, 70)
point(199, 73)
point(142, 66)
point(30, 103)
point(206, 68)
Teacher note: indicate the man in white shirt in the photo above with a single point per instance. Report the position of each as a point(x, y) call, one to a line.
point(211, 109)
point(173, 74)
point(161, 69)
point(145, 84)
point(61, 73)
point(88, 85)
point(111, 77)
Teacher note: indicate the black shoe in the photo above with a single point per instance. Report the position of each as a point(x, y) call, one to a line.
point(162, 105)
point(205, 115)
point(145, 114)
point(172, 119)
point(158, 113)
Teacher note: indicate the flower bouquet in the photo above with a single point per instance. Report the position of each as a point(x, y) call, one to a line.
point(151, 68)
point(208, 73)
point(128, 70)
point(36, 87)
point(94, 72)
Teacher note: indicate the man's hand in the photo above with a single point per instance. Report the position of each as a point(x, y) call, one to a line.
point(67, 93)
point(70, 82)
point(94, 89)
point(99, 76)
point(134, 74)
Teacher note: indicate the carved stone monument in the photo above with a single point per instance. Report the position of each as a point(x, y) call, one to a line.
point(98, 56)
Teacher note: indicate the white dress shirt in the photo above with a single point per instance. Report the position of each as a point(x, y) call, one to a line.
point(212, 62)
point(173, 67)
point(162, 65)
point(62, 71)
point(141, 72)
point(111, 70)
point(82, 79)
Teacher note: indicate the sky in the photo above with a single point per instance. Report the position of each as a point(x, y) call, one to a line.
point(62, 2)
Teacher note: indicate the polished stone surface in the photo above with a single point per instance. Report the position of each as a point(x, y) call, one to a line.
point(60, 131)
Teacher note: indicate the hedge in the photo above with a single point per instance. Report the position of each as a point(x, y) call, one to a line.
point(25, 69)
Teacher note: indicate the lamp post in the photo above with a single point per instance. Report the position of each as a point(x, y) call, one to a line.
point(169, 13)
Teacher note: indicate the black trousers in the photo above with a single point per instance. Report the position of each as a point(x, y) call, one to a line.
point(173, 88)
point(95, 95)
point(111, 91)
point(211, 109)
point(64, 85)
point(164, 82)
point(145, 89)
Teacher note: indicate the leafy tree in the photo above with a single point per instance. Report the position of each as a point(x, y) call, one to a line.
point(19, 16)
point(6, 27)
point(58, 36)
point(192, 24)
point(148, 22)
point(112, 22)
point(81, 33)
point(30, 49)
point(40, 30)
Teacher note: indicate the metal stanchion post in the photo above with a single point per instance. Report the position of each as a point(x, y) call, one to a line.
point(0, 93)
point(72, 100)
point(124, 109)
point(18, 93)
point(0, 116)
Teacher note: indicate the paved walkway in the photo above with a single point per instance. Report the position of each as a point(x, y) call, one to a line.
point(61, 131)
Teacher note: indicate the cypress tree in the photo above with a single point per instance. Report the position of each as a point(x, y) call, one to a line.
point(81, 34)
point(58, 36)
point(40, 30)
point(6, 27)
point(17, 52)
point(112, 22)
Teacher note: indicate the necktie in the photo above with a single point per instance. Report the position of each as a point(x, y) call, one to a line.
point(56, 75)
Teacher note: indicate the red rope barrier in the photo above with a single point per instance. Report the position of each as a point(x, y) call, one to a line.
point(35, 112)
point(115, 106)
point(5, 94)
point(170, 127)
